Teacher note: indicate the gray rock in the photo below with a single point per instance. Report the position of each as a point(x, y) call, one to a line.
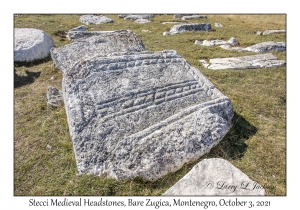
point(89, 44)
point(211, 42)
point(172, 23)
point(95, 19)
point(273, 32)
point(181, 15)
point(54, 97)
point(142, 21)
point(136, 17)
point(190, 17)
point(233, 41)
point(267, 47)
point(190, 27)
point(146, 31)
point(72, 33)
point(166, 33)
point(245, 62)
point(122, 16)
point(140, 113)
point(218, 25)
point(259, 33)
point(216, 177)
point(31, 44)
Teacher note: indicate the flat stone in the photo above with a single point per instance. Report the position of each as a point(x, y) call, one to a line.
point(140, 113)
point(229, 47)
point(136, 17)
point(218, 25)
point(54, 97)
point(190, 27)
point(190, 17)
point(172, 23)
point(72, 32)
point(216, 177)
point(181, 15)
point(142, 21)
point(146, 31)
point(273, 32)
point(166, 33)
point(233, 41)
point(267, 47)
point(245, 62)
point(95, 19)
point(88, 44)
point(31, 44)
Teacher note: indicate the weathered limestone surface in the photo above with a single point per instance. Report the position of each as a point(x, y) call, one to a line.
point(72, 33)
point(135, 17)
point(142, 21)
point(267, 47)
point(231, 41)
point(273, 32)
point(190, 27)
point(218, 25)
point(31, 44)
point(54, 97)
point(216, 176)
point(138, 113)
point(245, 62)
point(95, 19)
point(190, 17)
point(87, 44)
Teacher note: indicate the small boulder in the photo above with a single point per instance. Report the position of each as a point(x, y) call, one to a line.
point(31, 44)
point(95, 19)
point(142, 21)
point(218, 25)
point(54, 97)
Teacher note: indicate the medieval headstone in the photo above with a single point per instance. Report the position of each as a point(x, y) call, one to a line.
point(190, 27)
point(95, 19)
point(216, 177)
point(267, 47)
point(245, 62)
point(31, 44)
point(190, 17)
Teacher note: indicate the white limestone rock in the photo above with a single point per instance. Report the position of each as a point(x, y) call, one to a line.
point(216, 177)
point(54, 97)
point(245, 62)
point(136, 17)
point(142, 21)
point(89, 44)
point(273, 32)
point(72, 32)
point(190, 27)
point(267, 47)
point(138, 113)
point(218, 25)
point(233, 41)
point(190, 17)
point(95, 19)
point(31, 44)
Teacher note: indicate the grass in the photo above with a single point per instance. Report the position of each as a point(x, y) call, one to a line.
point(256, 143)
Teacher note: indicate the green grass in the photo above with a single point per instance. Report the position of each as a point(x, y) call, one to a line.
point(256, 143)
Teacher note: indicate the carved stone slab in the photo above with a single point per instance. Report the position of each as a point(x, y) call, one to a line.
point(244, 62)
point(90, 43)
point(140, 113)
point(215, 176)
point(190, 27)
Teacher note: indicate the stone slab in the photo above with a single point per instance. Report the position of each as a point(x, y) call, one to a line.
point(142, 21)
point(180, 28)
point(87, 44)
point(140, 113)
point(216, 177)
point(245, 62)
point(31, 44)
point(273, 32)
point(95, 19)
point(267, 47)
point(135, 17)
point(190, 17)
